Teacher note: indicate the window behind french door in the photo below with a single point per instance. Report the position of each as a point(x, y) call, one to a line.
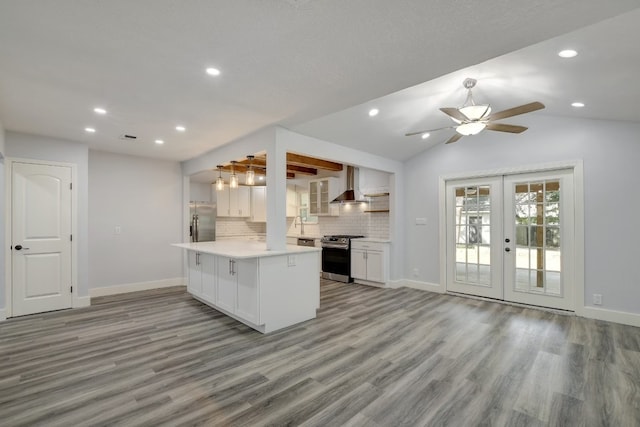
point(511, 237)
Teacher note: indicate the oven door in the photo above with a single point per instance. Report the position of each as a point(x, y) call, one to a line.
point(336, 261)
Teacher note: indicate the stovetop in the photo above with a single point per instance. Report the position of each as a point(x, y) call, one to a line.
point(342, 236)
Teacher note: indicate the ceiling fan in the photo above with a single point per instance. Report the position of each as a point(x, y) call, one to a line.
point(472, 118)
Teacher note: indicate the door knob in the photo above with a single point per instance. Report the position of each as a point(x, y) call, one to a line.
point(507, 240)
point(507, 249)
point(19, 247)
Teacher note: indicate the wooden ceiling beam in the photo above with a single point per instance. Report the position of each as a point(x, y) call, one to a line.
point(300, 160)
point(301, 169)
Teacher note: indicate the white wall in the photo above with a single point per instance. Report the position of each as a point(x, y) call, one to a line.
point(611, 153)
point(144, 198)
point(3, 243)
point(36, 147)
point(200, 192)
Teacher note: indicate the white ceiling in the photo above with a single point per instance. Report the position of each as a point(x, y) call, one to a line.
point(302, 64)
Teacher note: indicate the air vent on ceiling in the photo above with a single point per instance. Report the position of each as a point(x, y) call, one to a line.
point(127, 137)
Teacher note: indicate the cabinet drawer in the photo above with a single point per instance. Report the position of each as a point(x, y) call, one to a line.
point(371, 246)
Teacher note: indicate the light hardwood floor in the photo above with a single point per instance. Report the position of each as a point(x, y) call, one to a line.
point(373, 357)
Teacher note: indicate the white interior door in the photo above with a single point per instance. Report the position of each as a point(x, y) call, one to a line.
point(40, 238)
point(512, 238)
point(474, 232)
point(539, 227)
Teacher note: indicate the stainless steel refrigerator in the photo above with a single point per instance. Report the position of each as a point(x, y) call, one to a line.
point(202, 226)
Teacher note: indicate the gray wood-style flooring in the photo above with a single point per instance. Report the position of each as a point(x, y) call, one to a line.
point(373, 357)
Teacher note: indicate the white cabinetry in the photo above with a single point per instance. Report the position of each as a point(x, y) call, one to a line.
point(321, 193)
point(202, 275)
point(238, 287)
point(292, 201)
point(369, 262)
point(259, 204)
point(234, 202)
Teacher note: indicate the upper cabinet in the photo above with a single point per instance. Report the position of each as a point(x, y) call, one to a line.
point(292, 201)
point(321, 193)
point(234, 202)
point(259, 204)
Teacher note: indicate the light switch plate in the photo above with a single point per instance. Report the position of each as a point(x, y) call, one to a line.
point(291, 260)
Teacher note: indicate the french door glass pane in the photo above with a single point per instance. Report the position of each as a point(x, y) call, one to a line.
point(473, 234)
point(537, 237)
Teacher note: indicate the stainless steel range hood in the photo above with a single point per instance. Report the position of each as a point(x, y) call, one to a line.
point(351, 195)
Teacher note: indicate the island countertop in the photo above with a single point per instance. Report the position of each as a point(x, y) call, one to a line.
point(242, 248)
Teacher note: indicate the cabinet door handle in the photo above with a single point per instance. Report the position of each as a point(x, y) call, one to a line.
point(230, 268)
point(233, 268)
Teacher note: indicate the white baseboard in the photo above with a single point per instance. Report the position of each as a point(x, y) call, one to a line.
point(135, 287)
point(423, 286)
point(3, 314)
point(623, 317)
point(79, 302)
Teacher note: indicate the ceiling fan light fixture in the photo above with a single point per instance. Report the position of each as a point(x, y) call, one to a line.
point(476, 112)
point(472, 128)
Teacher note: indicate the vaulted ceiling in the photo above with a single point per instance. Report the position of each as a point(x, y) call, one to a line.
point(313, 66)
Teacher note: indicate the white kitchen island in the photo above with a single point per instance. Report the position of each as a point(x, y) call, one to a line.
point(264, 289)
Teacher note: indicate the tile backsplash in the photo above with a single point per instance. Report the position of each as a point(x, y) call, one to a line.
point(227, 226)
point(352, 220)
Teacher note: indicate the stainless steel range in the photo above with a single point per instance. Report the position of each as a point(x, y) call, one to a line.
point(336, 257)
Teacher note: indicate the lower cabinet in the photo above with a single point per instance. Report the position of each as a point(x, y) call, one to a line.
point(267, 293)
point(202, 277)
point(369, 262)
point(238, 287)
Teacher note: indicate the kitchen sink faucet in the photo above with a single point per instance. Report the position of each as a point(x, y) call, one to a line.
point(295, 225)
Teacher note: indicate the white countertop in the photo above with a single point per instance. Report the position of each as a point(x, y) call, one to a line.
point(242, 248)
point(372, 240)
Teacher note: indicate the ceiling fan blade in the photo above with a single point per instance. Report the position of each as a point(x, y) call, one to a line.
point(503, 127)
point(427, 131)
point(454, 138)
point(515, 111)
point(455, 113)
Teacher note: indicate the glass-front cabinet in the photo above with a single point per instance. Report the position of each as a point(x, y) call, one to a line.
point(321, 193)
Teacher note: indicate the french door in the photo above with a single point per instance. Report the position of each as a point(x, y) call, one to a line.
point(511, 238)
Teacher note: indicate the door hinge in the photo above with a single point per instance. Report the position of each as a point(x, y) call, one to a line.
point(71, 186)
point(72, 289)
point(71, 237)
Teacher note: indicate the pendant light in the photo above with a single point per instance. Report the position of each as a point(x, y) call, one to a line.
point(250, 177)
point(220, 180)
point(233, 179)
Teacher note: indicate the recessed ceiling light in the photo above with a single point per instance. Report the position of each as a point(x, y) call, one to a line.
point(159, 141)
point(426, 135)
point(90, 130)
point(567, 53)
point(99, 110)
point(373, 112)
point(180, 128)
point(577, 104)
point(213, 71)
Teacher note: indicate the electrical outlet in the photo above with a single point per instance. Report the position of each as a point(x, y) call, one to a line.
point(597, 299)
point(117, 229)
point(416, 272)
point(291, 260)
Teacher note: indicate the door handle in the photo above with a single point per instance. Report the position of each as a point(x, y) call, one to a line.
point(20, 247)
